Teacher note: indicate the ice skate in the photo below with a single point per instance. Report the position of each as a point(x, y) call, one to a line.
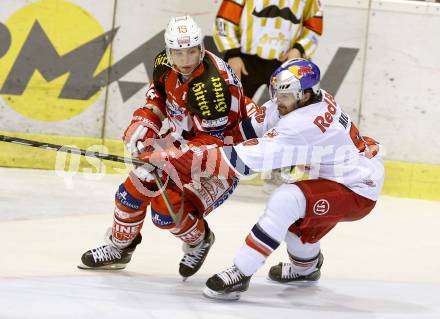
point(227, 285)
point(109, 257)
point(284, 272)
point(195, 256)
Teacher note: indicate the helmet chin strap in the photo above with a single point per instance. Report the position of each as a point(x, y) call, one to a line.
point(184, 74)
point(181, 73)
point(302, 104)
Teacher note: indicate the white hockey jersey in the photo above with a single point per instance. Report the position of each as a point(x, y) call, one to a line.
point(320, 136)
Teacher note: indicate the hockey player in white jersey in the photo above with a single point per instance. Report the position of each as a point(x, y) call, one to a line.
point(303, 125)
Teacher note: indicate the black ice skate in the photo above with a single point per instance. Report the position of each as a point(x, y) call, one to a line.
point(227, 285)
point(284, 272)
point(108, 256)
point(195, 256)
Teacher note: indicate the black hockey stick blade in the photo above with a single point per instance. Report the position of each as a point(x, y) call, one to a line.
point(73, 150)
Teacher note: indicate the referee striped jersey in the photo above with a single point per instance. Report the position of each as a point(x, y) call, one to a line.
point(268, 28)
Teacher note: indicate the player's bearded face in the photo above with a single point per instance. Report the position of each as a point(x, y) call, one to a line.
point(186, 60)
point(286, 103)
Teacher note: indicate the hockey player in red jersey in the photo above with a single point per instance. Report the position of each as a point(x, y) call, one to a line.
point(303, 125)
point(202, 101)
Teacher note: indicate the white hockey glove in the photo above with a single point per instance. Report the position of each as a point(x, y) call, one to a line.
point(144, 125)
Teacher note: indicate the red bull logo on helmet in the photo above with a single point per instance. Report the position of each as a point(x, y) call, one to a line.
point(300, 71)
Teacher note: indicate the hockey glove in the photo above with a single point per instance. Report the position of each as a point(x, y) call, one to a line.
point(144, 127)
point(201, 157)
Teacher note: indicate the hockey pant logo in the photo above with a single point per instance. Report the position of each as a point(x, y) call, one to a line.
point(210, 193)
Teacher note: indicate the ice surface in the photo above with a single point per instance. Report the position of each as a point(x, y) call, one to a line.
point(384, 266)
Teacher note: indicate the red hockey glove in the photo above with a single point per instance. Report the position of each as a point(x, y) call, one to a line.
point(372, 147)
point(145, 125)
point(201, 157)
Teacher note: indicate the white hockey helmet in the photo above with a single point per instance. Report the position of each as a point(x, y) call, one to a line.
point(295, 76)
point(181, 33)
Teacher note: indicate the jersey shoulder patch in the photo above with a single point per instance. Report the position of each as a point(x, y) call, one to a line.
point(223, 67)
point(208, 94)
point(161, 65)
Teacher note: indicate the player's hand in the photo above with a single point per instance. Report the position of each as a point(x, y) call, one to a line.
point(291, 54)
point(143, 128)
point(173, 161)
point(237, 66)
point(145, 173)
point(188, 162)
point(372, 147)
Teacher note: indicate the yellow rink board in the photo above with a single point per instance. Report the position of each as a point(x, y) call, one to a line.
point(402, 179)
point(13, 155)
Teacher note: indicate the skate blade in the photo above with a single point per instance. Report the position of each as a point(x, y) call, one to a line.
point(294, 282)
point(211, 294)
point(107, 267)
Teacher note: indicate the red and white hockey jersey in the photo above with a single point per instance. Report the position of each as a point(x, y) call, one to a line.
point(210, 101)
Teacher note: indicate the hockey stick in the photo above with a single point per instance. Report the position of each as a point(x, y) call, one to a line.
point(109, 157)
